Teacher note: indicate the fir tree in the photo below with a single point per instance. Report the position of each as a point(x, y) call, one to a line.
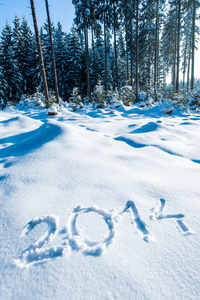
point(10, 66)
point(27, 60)
point(74, 57)
point(61, 54)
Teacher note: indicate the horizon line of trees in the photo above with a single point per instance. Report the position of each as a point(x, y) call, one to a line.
point(120, 42)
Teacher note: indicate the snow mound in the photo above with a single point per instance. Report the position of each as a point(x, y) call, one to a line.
point(104, 200)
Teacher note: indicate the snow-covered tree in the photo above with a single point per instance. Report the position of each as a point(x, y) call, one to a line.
point(10, 66)
point(61, 54)
point(75, 58)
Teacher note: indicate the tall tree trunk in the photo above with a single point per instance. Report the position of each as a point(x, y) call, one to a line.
point(188, 71)
point(184, 62)
point(149, 66)
point(193, 43)
point(156, 50)
point(94, 58)
point(178, 46)
point(115, 43)
point(126, 31)
point(137, 48)
point(52, 52)
point(174, 66)
point(131, 51)
point(87, 59)
point(42, 68)
point(105, 51)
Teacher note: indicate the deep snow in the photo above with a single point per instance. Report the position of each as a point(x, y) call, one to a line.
point(99, 204)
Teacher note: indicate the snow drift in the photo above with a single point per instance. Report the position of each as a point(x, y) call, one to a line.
point(99, 204)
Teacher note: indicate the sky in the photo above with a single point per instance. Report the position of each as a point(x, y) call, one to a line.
point(60, 10)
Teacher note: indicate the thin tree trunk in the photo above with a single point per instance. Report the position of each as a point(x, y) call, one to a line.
point(188, 72)
point(94, 58)
point(149, 67)
point(174, 66)
point(193, 44)
point(42, 68)
point(105, 50)
point(52, 53)
point(131, 51)
point(172, 75)
point(184, 63)
point(156, 50)
point(178, 46)
point(137, 48)
point(126, 29)
point(115, 43)
point(87, 60)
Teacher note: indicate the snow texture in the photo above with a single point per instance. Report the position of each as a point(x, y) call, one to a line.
point(99, 204)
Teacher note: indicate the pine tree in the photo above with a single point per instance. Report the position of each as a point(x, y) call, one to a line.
point(99, 52)
point(121, 55)
point(46, 49)
point(169, 41)
point(27, 58)
point(74, 57)
point(82, 20)
point(3, 89)
point(10, 66)
point(61, 54)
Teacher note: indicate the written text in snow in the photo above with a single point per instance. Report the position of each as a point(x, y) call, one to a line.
point(75, 240)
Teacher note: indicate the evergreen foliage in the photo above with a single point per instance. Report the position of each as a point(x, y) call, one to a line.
point(131, 45)
point(76, 99)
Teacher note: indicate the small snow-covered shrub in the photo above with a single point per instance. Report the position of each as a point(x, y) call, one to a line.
point(188, 100)
point(2, 103)
point(127, 95)
point(115, 101)
point(99, 96)
point(159, 96)
point(142, 96)
point(52, 99)
point(31, 101)
point(37, 100)
point(192, 101)
point(75, 99)
point(167, 107)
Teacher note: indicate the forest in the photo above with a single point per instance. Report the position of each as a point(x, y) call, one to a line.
point(115, 45)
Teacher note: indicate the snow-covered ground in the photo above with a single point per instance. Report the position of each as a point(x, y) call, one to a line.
point(99, 204)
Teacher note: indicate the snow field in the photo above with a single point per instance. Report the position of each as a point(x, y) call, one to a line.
point(99, 204)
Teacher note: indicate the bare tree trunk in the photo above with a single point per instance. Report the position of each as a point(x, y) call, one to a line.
point(105, 50)
point(137, 48)
point(52, 52)
point(87, 60)
point(94, 58)
point(193, 44)
point(131, 49)
point(188, 72)
point(174, 67)
point(156, 49)
point(42, 68)
point(149, 67)
point(184, 62)
point(126, 29)
point(178, 46)
point(115, 43)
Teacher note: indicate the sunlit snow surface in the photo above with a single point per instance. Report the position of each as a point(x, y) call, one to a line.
point(99, 204)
